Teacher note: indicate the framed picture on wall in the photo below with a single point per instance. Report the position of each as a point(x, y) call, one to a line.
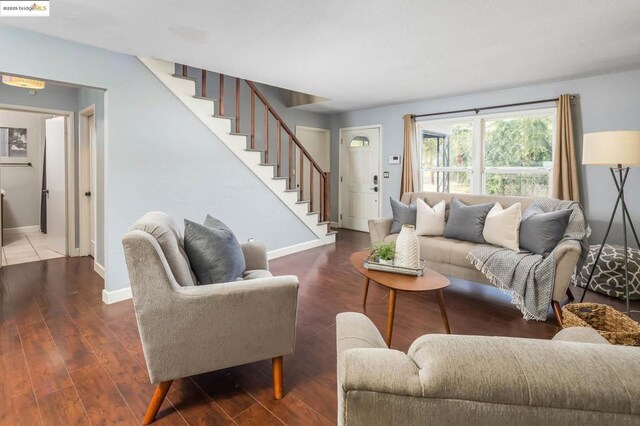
point(13, 143)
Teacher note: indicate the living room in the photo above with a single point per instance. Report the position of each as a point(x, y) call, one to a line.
point(489, 146)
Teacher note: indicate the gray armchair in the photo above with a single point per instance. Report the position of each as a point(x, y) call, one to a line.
point(188, 329)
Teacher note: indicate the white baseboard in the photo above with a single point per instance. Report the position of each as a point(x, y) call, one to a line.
point(274, 254)
point(21, 230)
point(334, 224)
point(99, 269)
point(109, 297)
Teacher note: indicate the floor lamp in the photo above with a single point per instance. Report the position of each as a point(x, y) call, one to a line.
point(618, 150)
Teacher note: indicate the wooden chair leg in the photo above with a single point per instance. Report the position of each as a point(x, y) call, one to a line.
point(156, 402)
point(570, 294)
point(277, 364)
point(557, 311)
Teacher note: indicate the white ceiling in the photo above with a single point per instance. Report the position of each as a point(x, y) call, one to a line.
point(361, 53)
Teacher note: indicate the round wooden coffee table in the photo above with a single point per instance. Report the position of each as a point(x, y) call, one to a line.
point(429, 281)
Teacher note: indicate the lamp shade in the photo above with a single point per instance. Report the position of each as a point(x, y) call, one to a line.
point(611, 148)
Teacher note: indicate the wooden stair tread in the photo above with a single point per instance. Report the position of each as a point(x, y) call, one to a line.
point(204, 98)
point(238, 134)
point(310, 213)
point(221, 116)
point(292, 190)
point(332, 232)
point(302, 201)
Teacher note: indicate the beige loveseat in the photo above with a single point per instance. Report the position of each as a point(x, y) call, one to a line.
point(577, 378)
point(449, 256)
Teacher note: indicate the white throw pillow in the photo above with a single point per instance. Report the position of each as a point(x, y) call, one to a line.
point(502, 226)
point(430, 220)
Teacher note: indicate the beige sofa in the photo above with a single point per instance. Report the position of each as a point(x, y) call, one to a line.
point(449, 256)
point(577, 378)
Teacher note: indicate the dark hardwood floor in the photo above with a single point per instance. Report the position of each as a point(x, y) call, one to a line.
point(66, 358)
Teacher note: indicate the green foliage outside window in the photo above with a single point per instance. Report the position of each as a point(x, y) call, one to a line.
point(525, 141)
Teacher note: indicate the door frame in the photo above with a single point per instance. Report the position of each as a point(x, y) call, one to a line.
point(341, 161)
point(70, 169)
point(87, 174)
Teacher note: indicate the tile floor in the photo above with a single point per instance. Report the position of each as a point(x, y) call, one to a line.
point(27, 247)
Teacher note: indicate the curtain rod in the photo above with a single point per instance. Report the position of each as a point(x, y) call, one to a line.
point(477, 110)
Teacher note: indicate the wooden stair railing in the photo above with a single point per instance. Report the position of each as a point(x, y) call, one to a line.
point(323, 184)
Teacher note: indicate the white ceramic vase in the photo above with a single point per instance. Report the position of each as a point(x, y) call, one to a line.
point(407, 248)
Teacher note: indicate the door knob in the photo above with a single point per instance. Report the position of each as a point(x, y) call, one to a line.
point(87, 194)
point(375, 189)
point(45, 191)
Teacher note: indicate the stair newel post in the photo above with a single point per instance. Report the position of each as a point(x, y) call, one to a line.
point(291, 183)
point(327, 196)
point(311, 188)
point(321, 194)
point(237, 105)
point(253, 119)
point(301, 175)
point(203, 84)
point(221, 105)
point(278, 146)
point(266, 133)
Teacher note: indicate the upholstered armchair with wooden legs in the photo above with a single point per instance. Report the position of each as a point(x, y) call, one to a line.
point(189, 329)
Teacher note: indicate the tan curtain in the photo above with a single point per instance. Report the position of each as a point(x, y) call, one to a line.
point(406, 183)
point(565, 171)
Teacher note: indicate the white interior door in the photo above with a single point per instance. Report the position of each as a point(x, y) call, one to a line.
point(360, 177)
point(56, 189)
point(92, 185)
point(317, 143)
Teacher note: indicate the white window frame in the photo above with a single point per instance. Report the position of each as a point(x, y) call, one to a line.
point(477, 170)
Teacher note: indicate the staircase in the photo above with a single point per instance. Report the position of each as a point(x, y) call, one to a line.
point(273, 152)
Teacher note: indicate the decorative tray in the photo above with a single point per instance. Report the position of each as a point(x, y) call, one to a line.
point(374, 266)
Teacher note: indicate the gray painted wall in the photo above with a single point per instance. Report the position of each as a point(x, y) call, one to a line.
point(86, 98)
point(158, 155)
point(606, 102)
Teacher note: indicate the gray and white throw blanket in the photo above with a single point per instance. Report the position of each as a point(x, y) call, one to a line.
point(528, 277)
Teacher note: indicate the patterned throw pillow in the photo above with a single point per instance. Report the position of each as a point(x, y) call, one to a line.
point(608, 277)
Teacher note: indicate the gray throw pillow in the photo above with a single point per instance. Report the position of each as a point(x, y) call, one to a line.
point(467, 222)
point(541, 232)
point(213, 251)
point(402, 215)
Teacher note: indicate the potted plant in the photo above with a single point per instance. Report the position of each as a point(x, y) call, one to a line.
point(383, 253)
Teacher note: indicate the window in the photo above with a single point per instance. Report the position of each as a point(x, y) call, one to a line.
point(359, 142)
point(496, 154)
point(13, 142)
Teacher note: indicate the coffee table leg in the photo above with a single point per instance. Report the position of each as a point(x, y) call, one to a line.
point(392, 311)
point(366, 291)
point(443, 311)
